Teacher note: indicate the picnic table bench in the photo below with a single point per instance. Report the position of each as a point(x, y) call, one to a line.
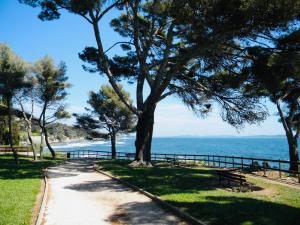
point(229, 175)
point(172, 160)
point(129, 155)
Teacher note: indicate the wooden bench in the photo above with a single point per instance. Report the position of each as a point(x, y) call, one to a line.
point(17, 148)
point(236, 178)
point(129, 155)
point(172, 161)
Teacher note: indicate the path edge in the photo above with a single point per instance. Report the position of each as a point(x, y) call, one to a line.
point(155, 198)
point(40, 216)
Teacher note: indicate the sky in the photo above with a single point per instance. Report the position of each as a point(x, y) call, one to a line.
point(63, 39)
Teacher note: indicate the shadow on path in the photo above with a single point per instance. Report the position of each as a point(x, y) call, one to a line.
point(101, 185)
point(141, 213)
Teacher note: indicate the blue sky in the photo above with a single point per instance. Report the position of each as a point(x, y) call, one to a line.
point(63, 39)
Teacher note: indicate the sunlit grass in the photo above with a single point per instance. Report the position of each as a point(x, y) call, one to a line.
point(19, 186)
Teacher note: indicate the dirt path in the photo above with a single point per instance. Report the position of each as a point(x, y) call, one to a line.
point(78, 195)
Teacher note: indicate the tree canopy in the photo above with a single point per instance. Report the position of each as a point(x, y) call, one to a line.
point(275, 73)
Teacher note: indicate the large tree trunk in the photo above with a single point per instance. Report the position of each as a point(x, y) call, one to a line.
point(292, 140)
point(113, 146)
point(293, 152)
point(144, 132)
point(10, 135)
point(48, 144)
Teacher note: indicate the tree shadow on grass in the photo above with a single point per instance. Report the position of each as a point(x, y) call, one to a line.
point(221, 210)
point(160, 181)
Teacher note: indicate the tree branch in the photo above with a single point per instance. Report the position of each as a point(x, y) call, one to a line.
point(117, 43)
point(166, 95)
point(102, 60)
point(98, 18)
point(284, 122)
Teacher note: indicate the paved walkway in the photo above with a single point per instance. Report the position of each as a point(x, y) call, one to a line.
point(78, 195)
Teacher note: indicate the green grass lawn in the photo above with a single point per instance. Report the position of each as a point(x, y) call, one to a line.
point(19, 187)
point(197, 192)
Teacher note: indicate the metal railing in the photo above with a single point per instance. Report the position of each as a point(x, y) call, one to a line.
point(243, 163)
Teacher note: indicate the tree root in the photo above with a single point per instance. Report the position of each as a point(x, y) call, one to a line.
point(140, 163)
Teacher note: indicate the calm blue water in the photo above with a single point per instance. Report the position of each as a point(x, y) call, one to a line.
point(256, 147)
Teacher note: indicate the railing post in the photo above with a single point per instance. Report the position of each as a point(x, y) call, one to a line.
point(213, 160)
point(225, 161)
point(195, 160)
point(233, 161)
point(299, 171)
point(264, 165)
point(279, 167)
point(219, 161)
point(242, 162)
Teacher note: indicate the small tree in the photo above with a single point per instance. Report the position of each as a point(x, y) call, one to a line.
point(12, 72)
point(27, 96)
point(109, 113)
point(51, 92)
point(275, 73)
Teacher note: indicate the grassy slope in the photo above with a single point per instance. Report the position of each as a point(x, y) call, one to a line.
point(196, 191)
point(19, 187)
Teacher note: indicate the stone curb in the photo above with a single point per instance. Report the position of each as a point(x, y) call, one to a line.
point(171, 208)
point(42, 208)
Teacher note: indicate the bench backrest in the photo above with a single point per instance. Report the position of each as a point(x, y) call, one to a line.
point(17, 148)
point(232, 176)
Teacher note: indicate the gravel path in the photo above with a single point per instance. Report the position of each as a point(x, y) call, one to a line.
point(78, 195)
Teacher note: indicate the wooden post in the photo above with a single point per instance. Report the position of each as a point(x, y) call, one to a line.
point(264, 162)
point(279, 167)
point(299, 171)
point(225, 162)
point(219, 162)
point(213, 160)
point(242, 162)
point(233, 161)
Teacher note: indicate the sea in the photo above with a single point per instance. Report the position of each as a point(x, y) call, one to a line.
point(268, 147)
